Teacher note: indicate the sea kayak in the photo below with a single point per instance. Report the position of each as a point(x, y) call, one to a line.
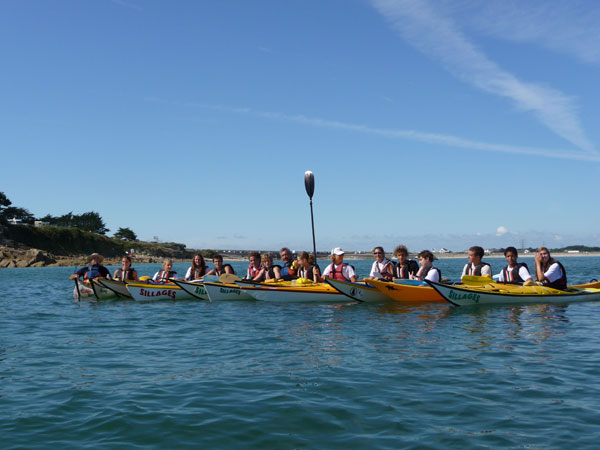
point(152, 292)
point(411, 291)
point(359, 291)
point(118, 287)
point(85, 290)
point(195, 289)
point(305, 293)
point(488, 295)
point(226, 291)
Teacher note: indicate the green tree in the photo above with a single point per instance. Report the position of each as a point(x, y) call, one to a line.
point(90, 221)
point(125, 233)
point(19, 213)
point(4, 203)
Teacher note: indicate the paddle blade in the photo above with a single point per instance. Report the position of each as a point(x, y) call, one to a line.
point(309, 183)
point(229, 278)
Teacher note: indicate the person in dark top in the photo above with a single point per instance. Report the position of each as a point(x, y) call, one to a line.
point(126, 272)
point(549, 271)
point(95, 269)
point(289, 268)
point(404, 267)
point(307, 268)
point(476, 266)
point(220, 268)
point(268, 271)
point(515, 272)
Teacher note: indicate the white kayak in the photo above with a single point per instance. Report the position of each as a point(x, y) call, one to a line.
point(226, 291)
point(360, 291)
point(316, 293)
point(91, 291)
point(118, 287)
point(194, 288)
point(467, 296)
point(153, 292)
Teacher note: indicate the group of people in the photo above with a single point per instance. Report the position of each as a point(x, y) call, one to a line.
point(548, 271)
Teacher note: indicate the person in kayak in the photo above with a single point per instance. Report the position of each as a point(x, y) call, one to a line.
point(307, 267)
point(427, 270)
point(197, 269)
point(288, 269)
point(162, 276)
point(514, 272)
point(94, 269)
point(268, 270)
point(549, 271)
point(254, 267)
point(338, 269)
point(404, 267)
point(220, 268)
point(382, 267)
point(126, 272)
point(476, 266)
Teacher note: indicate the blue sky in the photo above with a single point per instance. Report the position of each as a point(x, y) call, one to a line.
point(425, 123)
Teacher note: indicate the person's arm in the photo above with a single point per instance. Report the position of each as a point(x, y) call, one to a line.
point(486, 271)
point(501, 276)
point(277, 272)
point(134, 275)
point(351, 273)
point(433, 275)
point(373, 271)
point(211, 272)
point(188, 274)
point(317, 275)
point(260, 275)
point(464, 272)
point(553, 273)
point(539, 272)
point(524, 274)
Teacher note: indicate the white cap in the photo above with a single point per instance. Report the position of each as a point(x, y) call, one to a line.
point(337, 251)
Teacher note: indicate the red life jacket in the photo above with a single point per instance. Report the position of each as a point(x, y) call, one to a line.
point(252, 271)
point(513, 276)
point(385, 275)
point(163, 276)
point(424, 272)
point(338, 275)
point(125, 274)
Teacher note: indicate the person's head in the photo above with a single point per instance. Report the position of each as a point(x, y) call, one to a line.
point(425, 258)
point(401, 252)
point(378, 253)
point(168, 265)
point(198, 261)
point(266, 259)
point(511, 255)
point(337, 255)
point(218, 261)
point(544, 255)
point(475, 255)
point(95, 258)
point(254, 258)
point(286, 254)
point(126, 261)
point(304, 259)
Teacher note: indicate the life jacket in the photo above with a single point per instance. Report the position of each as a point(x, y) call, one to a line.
point(338, 275)
point(561, 283)
point(513, 276)
point(163, 276)
point(270, 274)
point(403, 272)
point(385, 275)
point(423, 274)
point(197, 273)
point(477, 270)
point(222, 271)
point(127, 275)
point(307, 273)
point(252, 271)
point(288, 271)
point(92, 272)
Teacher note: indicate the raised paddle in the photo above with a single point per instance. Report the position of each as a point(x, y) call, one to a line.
point(309, 184)
point(229, 278)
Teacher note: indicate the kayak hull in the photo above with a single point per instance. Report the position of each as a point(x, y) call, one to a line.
point(407, 292)
point(463, 296)
point(154, 292)
point(118, 287)
point(226, 291)
point(196, 290)
point(362, 292)
point(319, 293)
point(91, 291)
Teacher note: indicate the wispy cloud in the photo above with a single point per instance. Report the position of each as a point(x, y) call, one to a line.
point(430, 138)
point(570, 27)
point(438, 36)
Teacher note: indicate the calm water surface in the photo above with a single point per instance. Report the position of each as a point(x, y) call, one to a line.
point(194, 374)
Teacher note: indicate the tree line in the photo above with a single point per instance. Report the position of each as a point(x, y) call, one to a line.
point(88, 221)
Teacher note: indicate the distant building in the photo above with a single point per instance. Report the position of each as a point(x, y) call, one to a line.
point(572, 251)
point(443, 250)
point(15, 221)
point(40, 223)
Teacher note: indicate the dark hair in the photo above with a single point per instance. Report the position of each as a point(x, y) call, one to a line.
point(401, 249)
point(255, 254)
point(128, 257)
point(426, 254)
point(511, 249)
point(285, 248)
point(379, 248)
point(217, 256)
point(477, 250)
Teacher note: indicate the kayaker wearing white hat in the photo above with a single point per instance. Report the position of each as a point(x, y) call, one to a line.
point(95, 269)
point(338, 269)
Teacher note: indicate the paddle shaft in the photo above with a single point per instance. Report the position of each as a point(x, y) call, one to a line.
point(309, 184)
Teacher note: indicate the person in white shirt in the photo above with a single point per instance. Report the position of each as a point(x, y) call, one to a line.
point(382, 267)
point(476, 266)
point(338, 269)
point(427, 271)
point(549, 271)
point(514, 272)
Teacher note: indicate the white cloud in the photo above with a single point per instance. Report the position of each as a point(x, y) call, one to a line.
point(437, 35)
point(501, 231)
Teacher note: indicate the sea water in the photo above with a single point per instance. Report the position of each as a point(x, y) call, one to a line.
point(194, 374)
